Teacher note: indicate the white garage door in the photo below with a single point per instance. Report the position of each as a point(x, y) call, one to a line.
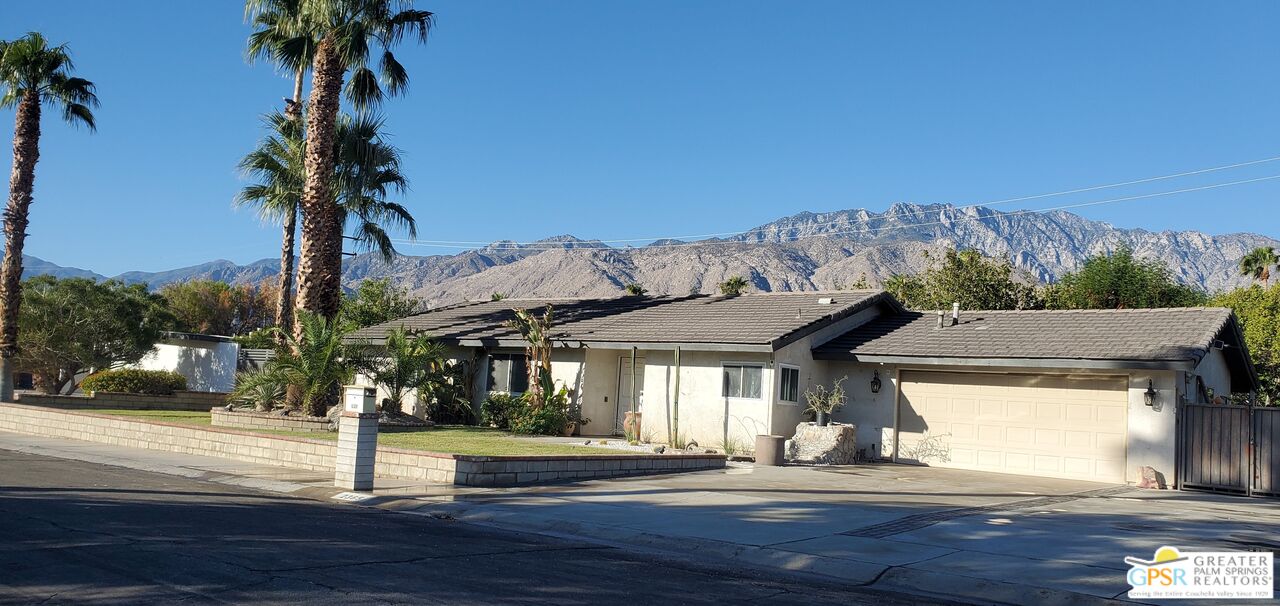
point(1047, 425)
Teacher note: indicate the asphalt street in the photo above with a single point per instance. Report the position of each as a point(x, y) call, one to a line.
point(77, 532)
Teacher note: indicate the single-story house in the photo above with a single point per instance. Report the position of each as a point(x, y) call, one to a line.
point(1053, 393)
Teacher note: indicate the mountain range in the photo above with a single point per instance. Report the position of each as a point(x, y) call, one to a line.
point(806, 251)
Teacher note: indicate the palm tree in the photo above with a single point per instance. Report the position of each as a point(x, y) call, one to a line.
point(31, 73)
point(280, 35)
point(367, 172)
point(315, 361)
point(1258, 263)
point(407, 362)
point(348, 34)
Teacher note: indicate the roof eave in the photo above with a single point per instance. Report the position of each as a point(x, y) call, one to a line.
point(1091, 364)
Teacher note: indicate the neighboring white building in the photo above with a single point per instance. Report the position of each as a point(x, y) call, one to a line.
point(207, 361)
point(1038, 392)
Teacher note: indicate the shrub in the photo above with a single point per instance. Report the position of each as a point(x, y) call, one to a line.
point(500, 408)
point(545, 421)
point(133, 380)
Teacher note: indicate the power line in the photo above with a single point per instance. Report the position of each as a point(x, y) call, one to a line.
point(478, 243)
point(592, 246)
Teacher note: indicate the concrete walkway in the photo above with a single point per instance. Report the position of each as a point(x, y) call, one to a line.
point(947, 533)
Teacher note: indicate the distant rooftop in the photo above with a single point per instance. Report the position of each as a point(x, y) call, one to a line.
point(763, 322)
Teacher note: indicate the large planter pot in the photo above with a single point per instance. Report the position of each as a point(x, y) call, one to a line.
point(822, 419)
point(570, 429)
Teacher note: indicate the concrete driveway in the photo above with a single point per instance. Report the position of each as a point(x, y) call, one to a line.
point(984, 536)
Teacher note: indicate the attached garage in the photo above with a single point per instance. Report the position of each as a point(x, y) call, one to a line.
point(1048, 425)
point(1083, 394)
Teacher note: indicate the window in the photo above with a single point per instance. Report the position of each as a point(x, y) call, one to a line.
point(789, 384)
point(509, 373)
point(742, 381)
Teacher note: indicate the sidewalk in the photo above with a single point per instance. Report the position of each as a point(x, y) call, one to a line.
point(986, 538)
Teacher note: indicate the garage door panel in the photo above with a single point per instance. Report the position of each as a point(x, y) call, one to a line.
point(1041, 424)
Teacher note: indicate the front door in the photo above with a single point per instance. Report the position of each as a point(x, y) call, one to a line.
point(624, 389)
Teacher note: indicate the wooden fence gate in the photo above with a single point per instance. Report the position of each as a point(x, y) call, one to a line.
point(1230, 448)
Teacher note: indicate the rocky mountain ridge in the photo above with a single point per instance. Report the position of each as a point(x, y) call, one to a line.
point(805, 251)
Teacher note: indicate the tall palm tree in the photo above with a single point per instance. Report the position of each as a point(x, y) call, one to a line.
point(281, 36)
point(367, 172)
point(32, 73)
point(1258, 263)
point(349, 34)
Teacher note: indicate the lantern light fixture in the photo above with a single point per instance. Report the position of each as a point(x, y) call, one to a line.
point(875, 382)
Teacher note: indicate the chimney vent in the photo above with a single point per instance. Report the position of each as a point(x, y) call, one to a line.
point(940, 316)
point(955, 313)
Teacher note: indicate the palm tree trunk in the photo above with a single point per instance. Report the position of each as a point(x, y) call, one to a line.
point(26, 152)
point(284, 299)
point(319, 270)
point(320, 264)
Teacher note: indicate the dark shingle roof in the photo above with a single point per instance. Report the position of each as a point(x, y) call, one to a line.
point(1181, 335)
point(769, 319)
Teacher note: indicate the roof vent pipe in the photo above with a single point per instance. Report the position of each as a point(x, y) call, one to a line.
point(941, 314)
point(955, 314)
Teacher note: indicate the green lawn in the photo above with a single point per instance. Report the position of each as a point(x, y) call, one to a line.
point(454, 439)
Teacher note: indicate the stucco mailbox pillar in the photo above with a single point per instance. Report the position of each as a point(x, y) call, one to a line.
point(357, 438)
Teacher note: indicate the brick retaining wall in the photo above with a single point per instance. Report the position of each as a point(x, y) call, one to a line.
point(179, 400)
point(265, 420)
point(317, 455)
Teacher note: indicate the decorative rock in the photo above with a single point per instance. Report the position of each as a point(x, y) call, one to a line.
point(835, 444)
point(660, 449)
point(1150, 478)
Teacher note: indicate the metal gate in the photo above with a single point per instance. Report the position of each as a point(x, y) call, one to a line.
point(1230, 448)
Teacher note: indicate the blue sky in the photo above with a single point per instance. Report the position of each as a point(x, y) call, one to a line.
point(630, 119)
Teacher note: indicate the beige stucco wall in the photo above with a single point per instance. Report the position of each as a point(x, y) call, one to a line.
point(1152, 438)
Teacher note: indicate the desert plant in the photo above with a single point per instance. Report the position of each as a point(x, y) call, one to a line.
point(635, 290)
point(135, 380)
point(315, 361)
point(733, 286)
point(32, 74)
point(536, 331)
point(823, 401)
point(258, 388)
point(406, 362)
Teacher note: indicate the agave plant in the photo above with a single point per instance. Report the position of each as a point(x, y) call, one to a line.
point(261, 389)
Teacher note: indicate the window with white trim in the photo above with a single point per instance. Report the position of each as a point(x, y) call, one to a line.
point(742, 381)
point(789, 384)
point(509, 373)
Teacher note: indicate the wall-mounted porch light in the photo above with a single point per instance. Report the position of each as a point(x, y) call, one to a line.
point(1150, 396)
point(875, 382)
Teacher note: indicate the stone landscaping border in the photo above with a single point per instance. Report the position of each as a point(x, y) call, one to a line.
point(319, 455)
point(179, 400)
point(247, 419)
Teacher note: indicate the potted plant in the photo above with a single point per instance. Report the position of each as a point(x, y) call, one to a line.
point(823, 402)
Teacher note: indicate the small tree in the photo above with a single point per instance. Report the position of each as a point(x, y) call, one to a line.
point(733, 286)
point(378, 301)
point(215, 307)
point(407, 362)
point(967, 278)
point(536, 330)
point(635, 290)
point(1259, 312)
point(1121, 281)
point(77, 324)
